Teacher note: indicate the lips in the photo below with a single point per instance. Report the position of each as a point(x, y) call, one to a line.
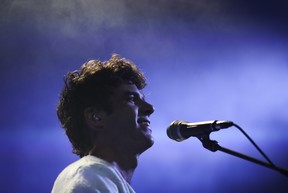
point(143, 121)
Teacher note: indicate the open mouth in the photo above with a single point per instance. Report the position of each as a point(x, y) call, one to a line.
point(143, 121)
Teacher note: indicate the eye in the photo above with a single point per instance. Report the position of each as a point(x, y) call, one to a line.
point(131, 98)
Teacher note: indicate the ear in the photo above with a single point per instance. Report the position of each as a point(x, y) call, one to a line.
point(94, 118)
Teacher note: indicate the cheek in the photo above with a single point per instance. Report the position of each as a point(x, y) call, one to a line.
point(125, 118)
point(129, 113)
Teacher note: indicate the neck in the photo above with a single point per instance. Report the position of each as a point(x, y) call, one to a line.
point(126, 172)
point(125, 164)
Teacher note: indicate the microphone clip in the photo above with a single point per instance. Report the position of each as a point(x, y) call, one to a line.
point(209, 144)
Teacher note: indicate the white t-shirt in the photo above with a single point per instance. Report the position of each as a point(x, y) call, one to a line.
point(91, 175)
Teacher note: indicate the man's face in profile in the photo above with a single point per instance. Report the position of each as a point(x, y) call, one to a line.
point(128, 126)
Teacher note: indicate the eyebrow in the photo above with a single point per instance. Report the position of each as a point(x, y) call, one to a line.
point(141, 95)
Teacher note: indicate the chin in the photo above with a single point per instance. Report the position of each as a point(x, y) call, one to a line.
point(146, 145)
point(143, 141)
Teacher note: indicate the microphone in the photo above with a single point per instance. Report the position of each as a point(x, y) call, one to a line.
point(181, 130)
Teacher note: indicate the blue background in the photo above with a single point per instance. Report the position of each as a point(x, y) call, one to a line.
point(204, 60)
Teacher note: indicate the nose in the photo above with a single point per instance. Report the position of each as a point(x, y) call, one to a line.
point(146, 108)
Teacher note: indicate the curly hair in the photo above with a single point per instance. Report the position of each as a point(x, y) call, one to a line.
point(92, 85)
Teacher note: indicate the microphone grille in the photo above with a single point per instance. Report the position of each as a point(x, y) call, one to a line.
point(173, 131)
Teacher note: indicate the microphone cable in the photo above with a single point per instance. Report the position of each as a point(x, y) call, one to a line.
point(254, 144)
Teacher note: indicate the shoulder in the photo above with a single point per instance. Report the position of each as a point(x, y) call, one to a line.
point(89, 174)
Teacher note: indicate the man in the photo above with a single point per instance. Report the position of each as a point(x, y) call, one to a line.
point(106, 118)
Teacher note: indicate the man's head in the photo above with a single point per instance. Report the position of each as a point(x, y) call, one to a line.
point(96, 94)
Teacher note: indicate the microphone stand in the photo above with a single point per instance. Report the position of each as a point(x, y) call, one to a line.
point(214, 146)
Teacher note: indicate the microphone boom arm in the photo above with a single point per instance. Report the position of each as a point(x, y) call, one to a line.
point(213, 146)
